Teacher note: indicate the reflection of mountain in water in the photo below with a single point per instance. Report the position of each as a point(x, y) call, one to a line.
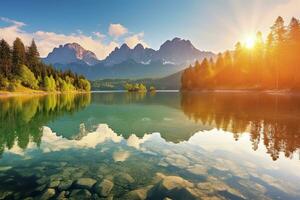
point(131, 113)
point(22, 118)
point(273, 119)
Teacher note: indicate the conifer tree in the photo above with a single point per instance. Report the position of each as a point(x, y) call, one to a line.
point(18, 56)
point(5, 59)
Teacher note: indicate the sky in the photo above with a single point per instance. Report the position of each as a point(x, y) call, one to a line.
point(102, 25)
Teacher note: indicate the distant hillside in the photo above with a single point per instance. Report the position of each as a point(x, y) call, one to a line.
point(171, 82)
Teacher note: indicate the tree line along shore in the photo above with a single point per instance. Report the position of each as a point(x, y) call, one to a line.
point(22, 71)
point(270, 64)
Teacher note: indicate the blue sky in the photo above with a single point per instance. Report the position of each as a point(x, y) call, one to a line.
point(210, 24)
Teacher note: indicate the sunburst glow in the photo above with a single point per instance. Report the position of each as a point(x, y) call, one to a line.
point(250, 41)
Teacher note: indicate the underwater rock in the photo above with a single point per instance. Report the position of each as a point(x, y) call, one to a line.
point(64, 185)
point(29, 198)
point(61, 196)
point(48, 194)
point(104, 188)
point(43, 180)
point(123, 179)
point(41, 188)
point(174, 187)
point(5, 168)
point(85, 183)
point(54, 183)
point(80, 194)
point(138, 194)
point(5, 194)
point(213, 186)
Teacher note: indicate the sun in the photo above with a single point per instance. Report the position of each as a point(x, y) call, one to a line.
point(250, 41)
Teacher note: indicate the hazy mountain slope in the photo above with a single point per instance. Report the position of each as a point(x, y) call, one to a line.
point(71, 53)
point(127, 69)
point(171, 82)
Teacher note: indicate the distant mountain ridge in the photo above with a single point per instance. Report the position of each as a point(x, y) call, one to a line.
point(176, 51)
point(124, 62)
point(70, 53)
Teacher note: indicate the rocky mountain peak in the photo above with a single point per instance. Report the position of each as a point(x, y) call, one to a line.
point(69, 53)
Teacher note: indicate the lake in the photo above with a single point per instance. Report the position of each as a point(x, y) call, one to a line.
point(118, 145)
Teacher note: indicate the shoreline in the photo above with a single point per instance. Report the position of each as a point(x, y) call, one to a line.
point(6, 94)
point(246, 91)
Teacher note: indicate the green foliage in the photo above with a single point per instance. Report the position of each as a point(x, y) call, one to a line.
point(50, 84)
point(137, 87)
point(4, 82)
point(18, 56)
point(13, 85)
point(85, 85)
point(152, 89)
point(27, 78)
point(5, 58)
point(23, 66)
point(32, 56)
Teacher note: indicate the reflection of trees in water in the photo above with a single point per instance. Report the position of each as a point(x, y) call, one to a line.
point(21, 118)
point(170, 99)
point(271, 118)
point(119, 97)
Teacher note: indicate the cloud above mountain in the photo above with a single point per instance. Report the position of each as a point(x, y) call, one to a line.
point(117, 30)
point(135, 39)
point(46, 41)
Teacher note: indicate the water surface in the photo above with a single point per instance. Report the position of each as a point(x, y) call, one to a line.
point(150, 146)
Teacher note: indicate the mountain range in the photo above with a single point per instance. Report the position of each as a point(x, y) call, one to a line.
point(124, 62)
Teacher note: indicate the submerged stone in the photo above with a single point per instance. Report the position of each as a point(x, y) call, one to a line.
point(5, 194)
point(61, 195)
point(5, 168)
point(80, 194)
point(49, 193)
point(173, 187)
point(85, 183)
point(123, 179)
point(104, 188)
point(42, 180)
point(138, 194)
point(41, 188)
point(65, 184)
point(54, 184)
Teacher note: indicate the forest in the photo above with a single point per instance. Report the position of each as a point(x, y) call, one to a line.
point(270, 64)
point(21, 68)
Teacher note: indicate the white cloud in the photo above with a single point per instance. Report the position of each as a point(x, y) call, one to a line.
point(99, 35)
point(117, 30)
point(11, 21)
point(46, 41)
point(135, 39)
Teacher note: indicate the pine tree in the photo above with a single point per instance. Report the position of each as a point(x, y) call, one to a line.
point(18, 56)
point(32, 57)
point(279, 31)
point(5, 59)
